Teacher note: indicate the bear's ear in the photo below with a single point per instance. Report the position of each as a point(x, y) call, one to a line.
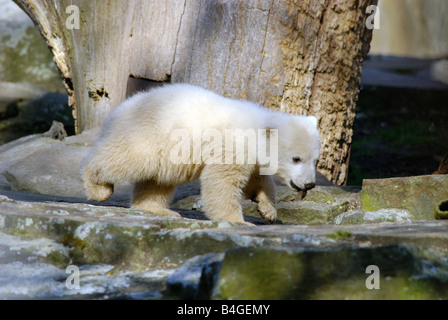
point(313, 120)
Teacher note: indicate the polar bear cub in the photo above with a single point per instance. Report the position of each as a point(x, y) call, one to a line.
point(178, 133)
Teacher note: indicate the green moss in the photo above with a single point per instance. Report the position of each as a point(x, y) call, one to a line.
point(366, 202)
point(263, 273)
point(250, 274)
point(58, 259)
point(319, 197)
point(289, 198)
point(340, 235)
point(391, 288)
point(19, 232)
point(70, 241)
point(168, 225)
point(77, 248)
point(250, 209)
point(303, 215)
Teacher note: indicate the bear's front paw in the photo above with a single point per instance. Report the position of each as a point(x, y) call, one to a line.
point(268, 213)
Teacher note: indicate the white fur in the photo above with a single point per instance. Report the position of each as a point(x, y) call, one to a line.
point(136, 141)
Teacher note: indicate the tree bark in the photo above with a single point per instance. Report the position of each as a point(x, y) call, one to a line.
point(298, 56)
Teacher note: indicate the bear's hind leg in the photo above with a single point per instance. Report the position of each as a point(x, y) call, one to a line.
point(151, 196)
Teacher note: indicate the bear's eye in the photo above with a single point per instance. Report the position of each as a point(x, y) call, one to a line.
point(296, 159)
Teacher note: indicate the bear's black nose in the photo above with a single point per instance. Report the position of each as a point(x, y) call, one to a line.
point(309, 186)
point(294, 186)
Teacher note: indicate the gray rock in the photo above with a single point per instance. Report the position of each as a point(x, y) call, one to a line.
point(382, 215)
point(320, 206)
point(267, 273)
point(19, 90)
point(184, 282)
point(124, 253)
point(439, 71)
point(19, 280)
point(419, 194)
point(13, 152)
point(49, 171)
point(24, 55)
point(24, 274)
point(42, 165)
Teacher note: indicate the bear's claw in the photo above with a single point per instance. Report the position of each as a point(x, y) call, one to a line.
point(268, 214)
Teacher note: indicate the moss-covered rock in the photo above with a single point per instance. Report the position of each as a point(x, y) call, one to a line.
point(129, 241)
point(24, 55)
point(256, 273)
point(320, 206)
point(307, 212)
point(419, 195)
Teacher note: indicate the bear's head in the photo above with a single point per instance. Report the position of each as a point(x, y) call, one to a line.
point(298, 151)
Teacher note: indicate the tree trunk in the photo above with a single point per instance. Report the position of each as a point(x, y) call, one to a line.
point(299, 56)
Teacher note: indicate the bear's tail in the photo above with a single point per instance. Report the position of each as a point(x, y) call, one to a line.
point(95, 190)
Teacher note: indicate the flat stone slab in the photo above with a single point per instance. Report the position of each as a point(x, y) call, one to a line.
point(117, 249)
point(419, 194)
point(382, 215)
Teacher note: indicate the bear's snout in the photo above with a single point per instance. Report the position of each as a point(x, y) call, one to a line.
point(307, 186)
